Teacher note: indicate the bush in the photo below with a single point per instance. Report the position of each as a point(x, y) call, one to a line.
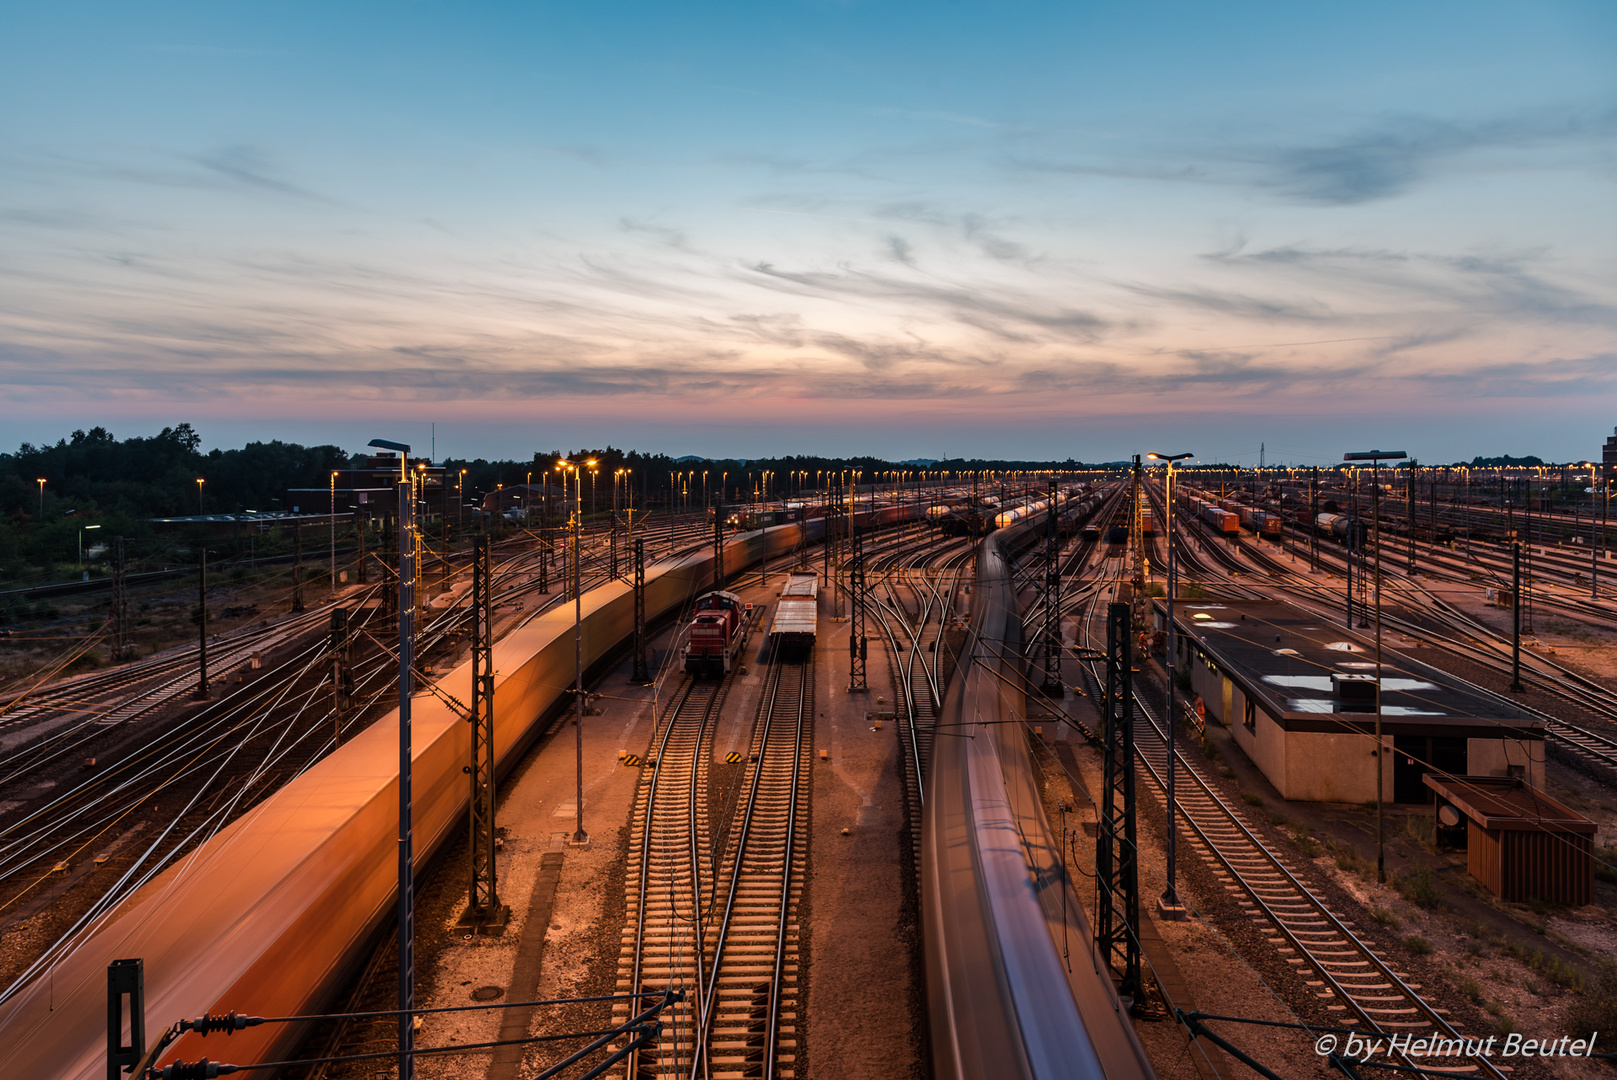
point(1419, 887)
point(1606, 863)
point(1471, 989)
point(1596, 1009)
point(1349, 862)
point(1381, 915)
point(1415, 945)
point(1251, 798)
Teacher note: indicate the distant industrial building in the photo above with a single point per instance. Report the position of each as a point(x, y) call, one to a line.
point(1608, 458)
point(525, 499)
point(372, 490)
point(1298, 697)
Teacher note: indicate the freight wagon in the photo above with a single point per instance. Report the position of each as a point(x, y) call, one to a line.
point(796, 612)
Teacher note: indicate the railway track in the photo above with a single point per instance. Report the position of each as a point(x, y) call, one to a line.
point(1348, 976)
point(668, 896)
point(749, 1007)
point(725, 930)
point(1346, 972)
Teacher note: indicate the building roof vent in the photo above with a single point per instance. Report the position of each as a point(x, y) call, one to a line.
point(1353, 687)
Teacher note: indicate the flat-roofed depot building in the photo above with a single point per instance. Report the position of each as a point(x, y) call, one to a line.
point(1298, 697)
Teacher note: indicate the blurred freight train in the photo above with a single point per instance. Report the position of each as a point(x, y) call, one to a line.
point(274, 914)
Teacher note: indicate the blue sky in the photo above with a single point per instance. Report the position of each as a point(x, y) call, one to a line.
point(1011, 229)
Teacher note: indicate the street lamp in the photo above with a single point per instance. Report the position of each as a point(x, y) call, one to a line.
point(1376, 457)
point(81, 540)
point(406, 895)
point(41, 483)
point(460, 494)
point(333, 531)
point(1168, 906)
point(580, 837)
point(200, 482)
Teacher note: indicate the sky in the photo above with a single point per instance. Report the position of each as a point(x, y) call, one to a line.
point(1013, 229)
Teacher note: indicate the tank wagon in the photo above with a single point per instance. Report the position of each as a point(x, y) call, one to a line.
point(1341, 528)
point(715, 633)
point(796, 612)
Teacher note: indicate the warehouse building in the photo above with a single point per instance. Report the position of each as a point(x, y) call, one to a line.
point(1297, 695)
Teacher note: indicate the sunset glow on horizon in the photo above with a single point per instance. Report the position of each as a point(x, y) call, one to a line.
point(1023, 230)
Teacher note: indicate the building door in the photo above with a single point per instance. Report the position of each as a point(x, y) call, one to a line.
point(1409, 758)
point(1416, 755)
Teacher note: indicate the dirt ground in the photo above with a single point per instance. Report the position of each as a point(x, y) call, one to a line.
point(863, 1009)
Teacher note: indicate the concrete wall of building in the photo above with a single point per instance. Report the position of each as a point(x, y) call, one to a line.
point(1264, 743)
point(1494, 757)
point(1335, 767)
point(1209, 686)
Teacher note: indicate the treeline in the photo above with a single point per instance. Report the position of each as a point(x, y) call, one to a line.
point(93, 478)
point(118, 485)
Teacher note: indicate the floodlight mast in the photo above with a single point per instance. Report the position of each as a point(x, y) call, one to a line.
point(406, 886)
point(1168, 904)
point(1376, 457)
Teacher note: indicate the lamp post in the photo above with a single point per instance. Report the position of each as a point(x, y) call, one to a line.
point(406, 889)
point(1168, 905)
point(81, 540)
point(200, 482)
point(333, 531)
point(580, 837)
point(41, 482)
point(1376, 457)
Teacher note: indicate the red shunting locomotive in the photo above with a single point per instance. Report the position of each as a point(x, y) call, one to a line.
point(715, 634)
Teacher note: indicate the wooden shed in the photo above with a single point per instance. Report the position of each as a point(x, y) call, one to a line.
point(1520, 843)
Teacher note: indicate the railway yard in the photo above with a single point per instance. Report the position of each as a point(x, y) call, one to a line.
point(874, 827)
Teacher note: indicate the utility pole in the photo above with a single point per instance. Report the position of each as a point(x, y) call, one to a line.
point(406, 883)
point(360, 557)
point(120, 602)
point(1168, 905)
point(202, 627)
point(718, 546)
point(484, 912)
point(1376, 457)
point(857, 646)
point(406, 604)
point(297, 567)
point(1409, 503)
point(342, 676)
point(1116, 854)
point(1313, 519)
point(545, 544)
point(1516, 686)
point(642, 670)
point(1141, 568)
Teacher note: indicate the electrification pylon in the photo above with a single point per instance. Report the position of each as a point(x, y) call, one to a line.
point(1050, 636)
point(857, 646)
point(1116, 854)
point(483, 908)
